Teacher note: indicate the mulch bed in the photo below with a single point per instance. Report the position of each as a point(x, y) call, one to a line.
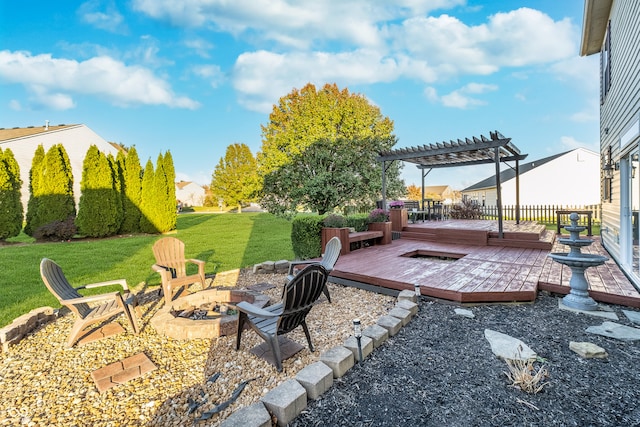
point(439, 371)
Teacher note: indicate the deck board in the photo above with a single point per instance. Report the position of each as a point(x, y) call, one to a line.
point(483, 274)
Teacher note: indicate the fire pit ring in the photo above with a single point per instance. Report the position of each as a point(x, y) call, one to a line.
point(172, 322)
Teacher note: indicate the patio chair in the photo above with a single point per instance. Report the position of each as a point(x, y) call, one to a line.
point(329, 259)
point(172, 267)
point(110, 304)
point(299, 297)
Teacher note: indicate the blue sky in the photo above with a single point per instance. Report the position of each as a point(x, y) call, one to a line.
point(194, 76)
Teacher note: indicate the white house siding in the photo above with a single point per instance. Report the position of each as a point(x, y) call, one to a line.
point(190, 194)
point(76, 140)
point(621, 108)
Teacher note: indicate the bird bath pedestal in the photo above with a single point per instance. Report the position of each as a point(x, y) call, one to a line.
point(578, 262)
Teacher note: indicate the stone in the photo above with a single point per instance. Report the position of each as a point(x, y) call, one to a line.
point(507, 347)
point(464, 313)
point(391, 324)
point(286, 401)
point(339, 359)
point(257, 268)
point(633, 316)
point(365, 342)
point(282, 266)
point(615, 330)
point(377, 333)
point(255, 415)
point(407, 295)
point(269, 266)
point(408, 305)
point(588, 350)
point(402, 314)
point(316, 379)
point(602, 311)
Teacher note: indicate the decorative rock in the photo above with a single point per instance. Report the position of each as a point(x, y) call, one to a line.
point(255, 415)
point(588, 350)
point(615, 330)
point(507, 347)
point(286, 401)
point(391, 324)
point(634, 316)
point(408, 305)
point(377, 333)
point(407, 295)
point(282, 266)
point(269, 266)
point(602, 311)
point(402, 314)
point(464, 313)
point(22, 325)
point(316, 379)
point(366, 344)
point(339, 359)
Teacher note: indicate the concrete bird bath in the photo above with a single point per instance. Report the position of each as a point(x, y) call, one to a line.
point(578, 262)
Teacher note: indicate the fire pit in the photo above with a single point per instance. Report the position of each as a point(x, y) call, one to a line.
point(209, 313)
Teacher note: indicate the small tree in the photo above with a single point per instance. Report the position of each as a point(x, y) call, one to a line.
point(235, 178)
point(34, 190)
point(148, 201)
point(165, 188)
point(132, 191)
point(11, 210)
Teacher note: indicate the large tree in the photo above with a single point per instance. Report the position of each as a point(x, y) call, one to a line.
point(132, 190)
point(11, 211)
point(235, 178)
point(148, 201)
point(165, 183)
point(319, 151)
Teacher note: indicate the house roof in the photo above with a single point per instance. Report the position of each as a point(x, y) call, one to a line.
point(508, 174)
point(15, 133)
point(472, 151)
point(594, 25)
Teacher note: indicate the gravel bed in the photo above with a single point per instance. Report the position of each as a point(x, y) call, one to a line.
point(45, 384)
point(440, 371)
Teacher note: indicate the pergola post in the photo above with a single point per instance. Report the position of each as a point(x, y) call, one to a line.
point(384, 184)
point(496, 154)
point(517, 192)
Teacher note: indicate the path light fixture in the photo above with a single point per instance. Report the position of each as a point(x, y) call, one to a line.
point(417, 290)
point(357, 332)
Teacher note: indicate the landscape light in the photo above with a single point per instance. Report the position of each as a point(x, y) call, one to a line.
point(357, 332)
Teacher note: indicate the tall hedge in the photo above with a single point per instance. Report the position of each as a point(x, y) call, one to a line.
point(53, 189)
point(34, 180)
point(11, 211)
point(305, 236)
point(148, 200)
point(165, 177)
point(99, 210)
point(132, 191)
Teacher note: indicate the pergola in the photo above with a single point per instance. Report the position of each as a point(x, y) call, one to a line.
point(467, 152)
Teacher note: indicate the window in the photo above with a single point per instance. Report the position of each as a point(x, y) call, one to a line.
point(605, 65)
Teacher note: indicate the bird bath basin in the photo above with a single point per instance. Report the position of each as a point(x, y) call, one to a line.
point(578, 262)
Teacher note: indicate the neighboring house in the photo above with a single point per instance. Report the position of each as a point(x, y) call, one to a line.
point(569, 178)
point(190, 194)
point(442, 193)
point(612, 29)
point(76, 140)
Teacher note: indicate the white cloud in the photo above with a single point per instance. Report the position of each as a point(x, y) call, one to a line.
point(570, 143)
point(106, 17)
point(211, 73)
point(200, 46)
point(460, 98)
point(52, 81)
point(15, 105)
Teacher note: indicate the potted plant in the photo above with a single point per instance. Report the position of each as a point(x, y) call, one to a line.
point(379, 221)
point(335, 225)
point(399, 216)
point(396, 204)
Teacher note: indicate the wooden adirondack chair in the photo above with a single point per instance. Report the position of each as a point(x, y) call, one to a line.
point(112, 303)
point(172, 267)
point(298, 299)
point(329, 259)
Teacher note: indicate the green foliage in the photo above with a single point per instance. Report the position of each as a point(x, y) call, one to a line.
point(132, 192)
point(34, 181)
point(11, 211)
point(148, 200)
point(100, 208)
point(235, 178)
point(319, 151)
point(117, 172)
point(166, 187)
point(53, 189)
point(358, 221)
point(334, 221)
point(379, 215)
point(305, 236)
point(56, 231)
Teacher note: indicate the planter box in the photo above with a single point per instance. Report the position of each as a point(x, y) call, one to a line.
point(385, 227)
point(341, 233)
point(399, 219)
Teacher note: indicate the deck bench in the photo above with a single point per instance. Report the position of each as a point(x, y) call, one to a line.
point(361, 236)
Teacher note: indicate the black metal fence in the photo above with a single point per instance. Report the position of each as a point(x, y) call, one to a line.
point(542, 213)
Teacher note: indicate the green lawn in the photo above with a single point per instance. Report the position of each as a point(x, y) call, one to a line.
point(225, 242)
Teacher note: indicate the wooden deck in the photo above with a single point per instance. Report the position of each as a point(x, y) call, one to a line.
point(472, 269)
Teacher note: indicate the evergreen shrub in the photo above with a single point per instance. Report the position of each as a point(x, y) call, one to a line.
point(306, 236)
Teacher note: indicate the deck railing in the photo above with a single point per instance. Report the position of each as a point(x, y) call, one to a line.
point(541, 213)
